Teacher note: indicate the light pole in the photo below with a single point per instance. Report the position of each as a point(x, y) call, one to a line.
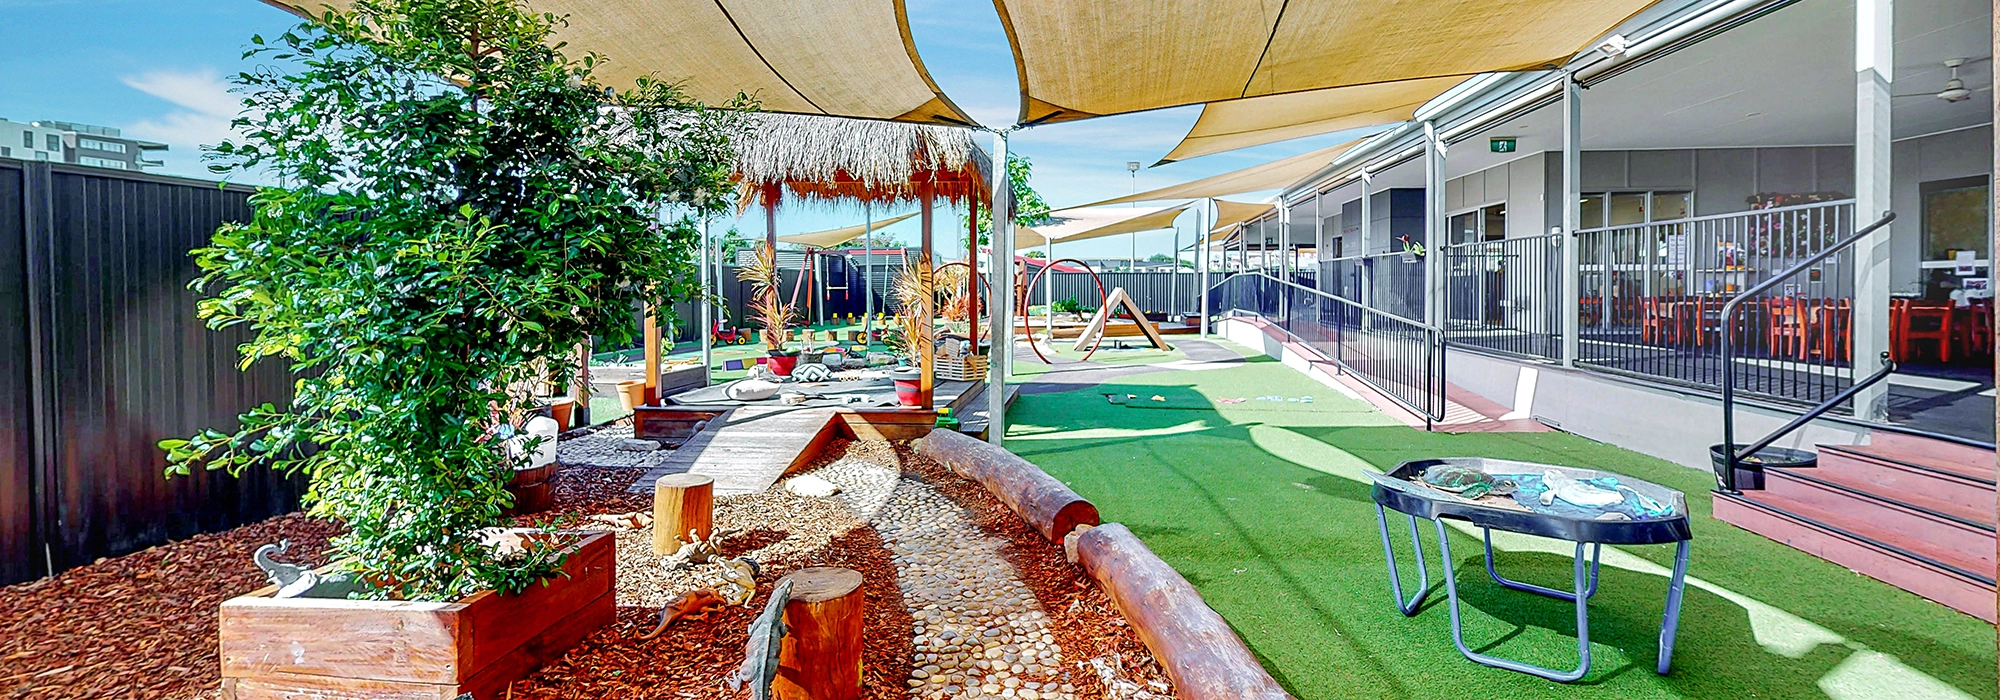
point(1132, 166)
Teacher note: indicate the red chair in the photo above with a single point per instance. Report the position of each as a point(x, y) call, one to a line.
point(1972, 329)
point(1925, 321)
point(1656, 322)
point(1788, 332)
point(1835, 323)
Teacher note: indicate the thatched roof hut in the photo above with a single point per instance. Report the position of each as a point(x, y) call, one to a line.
point(828, 159)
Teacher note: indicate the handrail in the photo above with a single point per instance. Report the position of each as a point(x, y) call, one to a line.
point(1433, 363)
point(1713, 217)
point(1728, 317)
point(1355, 304)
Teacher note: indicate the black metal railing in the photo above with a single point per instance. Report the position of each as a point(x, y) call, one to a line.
point(1651, 300)
point(1729, 467)
point(1390, 282)
point(1399, 357)
point(1505, 296)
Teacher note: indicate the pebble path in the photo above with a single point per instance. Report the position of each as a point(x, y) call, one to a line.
point(600, 449)
point(979, 631)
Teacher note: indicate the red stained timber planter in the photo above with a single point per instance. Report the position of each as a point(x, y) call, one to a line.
point(318, 647)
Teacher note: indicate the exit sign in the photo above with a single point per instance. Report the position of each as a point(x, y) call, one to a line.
point(1500, 144)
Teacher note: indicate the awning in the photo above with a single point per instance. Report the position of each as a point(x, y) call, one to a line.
point(1269, 176)
point(833, 237)
point(1081, 223)
point(1085, 58)
point(850, 58)
point(1226, 126)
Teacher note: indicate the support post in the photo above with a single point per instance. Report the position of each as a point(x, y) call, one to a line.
point(1572, 219)
point(1365, 276)
point(1874, 75)
point(1319, 237)
point(682, 503)
point(1001, 298)
point(652, 359)
point(867, 279)
point(927, 307)
point(1434, 229)
point(1203, 222)
point(708, 295)
point(972, 274)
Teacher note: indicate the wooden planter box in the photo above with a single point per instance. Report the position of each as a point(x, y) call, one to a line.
point(311, 648)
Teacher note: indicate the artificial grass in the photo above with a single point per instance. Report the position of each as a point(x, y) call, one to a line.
point(1261, 506)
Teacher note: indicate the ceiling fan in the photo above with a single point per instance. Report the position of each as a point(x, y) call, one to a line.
point(1954, 89)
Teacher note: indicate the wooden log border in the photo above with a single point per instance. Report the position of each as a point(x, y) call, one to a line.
point(1196, 647)
point(1047, 505)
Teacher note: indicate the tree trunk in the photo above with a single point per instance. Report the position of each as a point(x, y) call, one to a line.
point(1043, 502)
point(682, 502)
point(1203, 656)
point(821, 658)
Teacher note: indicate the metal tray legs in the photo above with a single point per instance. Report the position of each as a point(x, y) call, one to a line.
point(1585, 588)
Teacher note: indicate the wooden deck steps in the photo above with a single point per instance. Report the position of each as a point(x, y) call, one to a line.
point(748, 449)
point(1910, 511)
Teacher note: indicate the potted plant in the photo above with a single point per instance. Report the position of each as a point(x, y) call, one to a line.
point(915, 332)
point(770, 309)
point(461, 200)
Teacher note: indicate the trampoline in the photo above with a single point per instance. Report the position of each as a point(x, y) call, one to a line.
point(1644, 513)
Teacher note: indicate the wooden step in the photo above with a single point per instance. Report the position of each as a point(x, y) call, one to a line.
point(1957, 485)
point(1931, 453)
point(1847, 503)
point(1956, 579)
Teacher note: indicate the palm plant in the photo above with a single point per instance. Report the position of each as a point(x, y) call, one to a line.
point(768, 307)
point(915, 290)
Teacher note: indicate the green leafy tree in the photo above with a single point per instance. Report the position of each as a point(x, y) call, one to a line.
point(1029, 209)
point(464, 201)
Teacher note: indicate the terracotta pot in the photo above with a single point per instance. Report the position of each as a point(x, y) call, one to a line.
point(318, 647)
point(782, 365)
point(632, 394)
point(560, 409)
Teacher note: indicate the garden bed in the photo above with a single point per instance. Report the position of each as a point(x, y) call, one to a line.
point(143, 625)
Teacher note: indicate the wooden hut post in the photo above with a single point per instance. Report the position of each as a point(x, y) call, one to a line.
point(972, 265)
point(682, 502)
point(927, 310)
point(821, 656)
point(652, 356)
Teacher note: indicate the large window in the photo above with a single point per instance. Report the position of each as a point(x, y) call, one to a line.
point(100, 145)
point(55, 142)
point(1484, 224)
point(1955, 218)
point(1602, 209)
point(101, 162)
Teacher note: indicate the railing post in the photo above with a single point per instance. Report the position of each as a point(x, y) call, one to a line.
point(1572, 286)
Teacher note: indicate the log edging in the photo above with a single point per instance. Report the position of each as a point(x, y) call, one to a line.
point(1046, 504)
point(1197, 648)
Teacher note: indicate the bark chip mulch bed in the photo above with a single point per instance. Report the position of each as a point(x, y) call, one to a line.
point(144, 625)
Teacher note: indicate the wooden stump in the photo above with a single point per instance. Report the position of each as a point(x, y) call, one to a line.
point(821, 658)
point(682, 502)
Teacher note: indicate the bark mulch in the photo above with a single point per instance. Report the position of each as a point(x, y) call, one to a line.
point(141, 625)
point(1085, 622)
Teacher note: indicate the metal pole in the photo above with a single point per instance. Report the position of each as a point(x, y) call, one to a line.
point(1001, 299)
point(1434, 229)
point(867, 279)
point(1572, 213)
point(1202, 222)
point(1874, 65)
point(1174, 282)
point(707, 308)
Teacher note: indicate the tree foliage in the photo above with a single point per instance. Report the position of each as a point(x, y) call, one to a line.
point(1029, 209)
point(462, 201)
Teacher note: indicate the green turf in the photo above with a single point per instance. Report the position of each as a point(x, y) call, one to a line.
point(1261, 505)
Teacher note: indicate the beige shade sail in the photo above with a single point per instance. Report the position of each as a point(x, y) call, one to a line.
point(1269, 176)
point(1229, 213)
point(836, 236)
point(1086, 58)
point(851, 58)
point(1255, 121)
point(1080, 223)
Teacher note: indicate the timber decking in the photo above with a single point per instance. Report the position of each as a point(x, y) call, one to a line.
point(748, 449)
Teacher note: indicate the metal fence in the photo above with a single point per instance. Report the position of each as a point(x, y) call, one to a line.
point(1389, 282)
point(1505, 296)
point(101, 356)
point(1652, 295)
point(1400, 357)
point(1163, 292)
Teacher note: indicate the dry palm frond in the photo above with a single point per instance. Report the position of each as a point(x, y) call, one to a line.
point(832, 159)
point(769, 307)
point(952, 292)
point(916, 289)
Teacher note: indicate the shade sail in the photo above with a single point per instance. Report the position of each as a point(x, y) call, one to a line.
point(1229, 213)
point(1269, 176)
point(851, 58)
point(1080, 223)
point(1226, 126)
point(836, 236)
point(1085, 58)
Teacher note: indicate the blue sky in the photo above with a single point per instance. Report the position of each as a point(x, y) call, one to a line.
point(159, 69)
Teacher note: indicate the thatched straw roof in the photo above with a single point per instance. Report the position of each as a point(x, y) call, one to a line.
point(829, 159)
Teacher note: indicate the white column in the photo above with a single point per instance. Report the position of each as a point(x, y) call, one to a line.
point(1572, 217)
point(1284, 240)
point(707, 308)
point(1434, 228)
point(1365, 276)
point(1201, 227)
point(1874, 73)
point(1319, 238)
point(1000, 299)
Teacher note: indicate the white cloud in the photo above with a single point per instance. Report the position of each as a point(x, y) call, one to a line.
point(204, 110)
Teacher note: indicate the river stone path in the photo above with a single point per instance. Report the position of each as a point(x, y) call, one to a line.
point(979, 631)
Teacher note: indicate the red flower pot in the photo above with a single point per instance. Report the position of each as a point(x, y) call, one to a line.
point(909, 387)
point(782, 365)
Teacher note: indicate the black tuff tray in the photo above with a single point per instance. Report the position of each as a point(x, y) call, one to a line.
point(1399, 491)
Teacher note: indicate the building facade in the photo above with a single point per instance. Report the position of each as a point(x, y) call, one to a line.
point(81, 144)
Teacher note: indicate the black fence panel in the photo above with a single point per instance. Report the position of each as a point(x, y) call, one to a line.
point(117, 361)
